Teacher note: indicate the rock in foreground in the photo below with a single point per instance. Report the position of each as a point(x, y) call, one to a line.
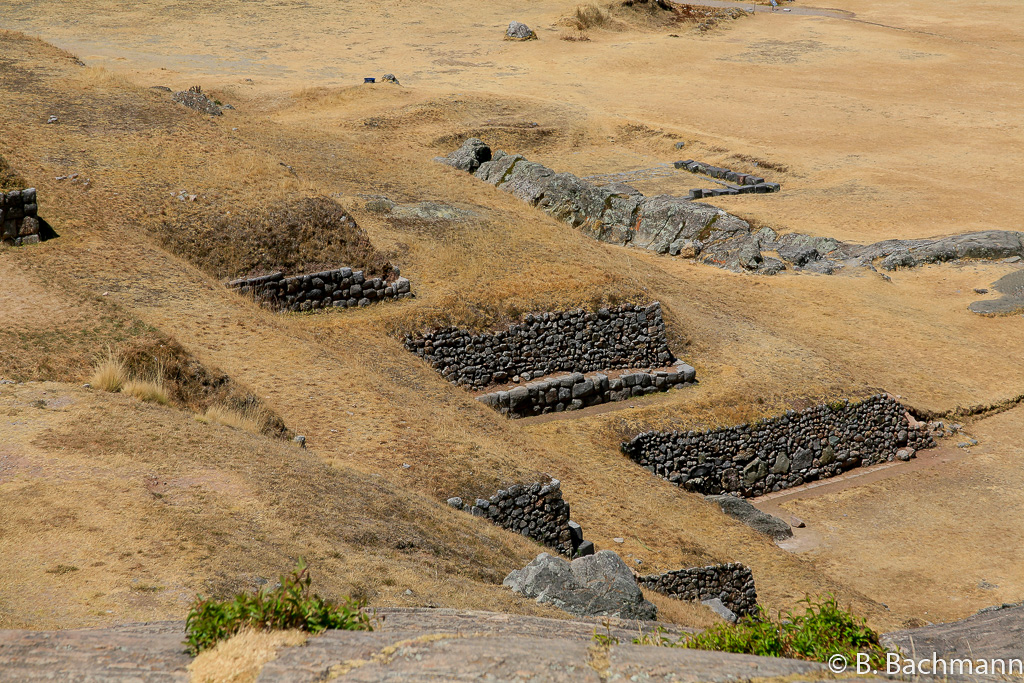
point(598, 585)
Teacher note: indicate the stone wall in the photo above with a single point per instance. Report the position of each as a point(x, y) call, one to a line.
point(731, 583)
point(753, 459)
point(575, 391)
point(574, 341)
point(737, 183)
point(18, 217)
point(536, 511)
point(341, 288)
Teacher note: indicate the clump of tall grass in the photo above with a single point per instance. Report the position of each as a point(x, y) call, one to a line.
point(109, 374)
point(251, 418)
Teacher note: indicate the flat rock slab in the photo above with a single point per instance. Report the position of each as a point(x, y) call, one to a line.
point(990, 634)
point(1012, 288)
point(138, 654)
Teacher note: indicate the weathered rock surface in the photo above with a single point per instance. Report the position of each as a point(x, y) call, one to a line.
point(619, 214)
point(598, 585)
point(744, 511)
point(469, 156)
point(1012, 300)
point(519, 31)
point(993, 633)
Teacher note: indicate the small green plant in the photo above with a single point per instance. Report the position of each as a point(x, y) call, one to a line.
point(290, 606)
point(605, 639)
point(824, 629)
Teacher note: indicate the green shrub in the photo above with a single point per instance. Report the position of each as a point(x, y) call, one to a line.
point(824, 629)
point(289, 606)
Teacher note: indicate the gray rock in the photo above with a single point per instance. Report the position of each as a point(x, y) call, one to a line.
point(762, 522)
point(455, 502)
point(519, 31)
point(193, 98)
point(389, 78)
point(469, 156)
point(721, 610)
point(596, 585)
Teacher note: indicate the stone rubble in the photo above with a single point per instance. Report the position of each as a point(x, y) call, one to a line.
point(19, 220)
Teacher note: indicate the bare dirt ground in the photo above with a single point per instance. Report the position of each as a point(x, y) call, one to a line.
point(903, 123)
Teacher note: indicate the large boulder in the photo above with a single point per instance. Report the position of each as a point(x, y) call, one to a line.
point(519, 31)
point(762, 522)
point(469, 156)
point(600, 585)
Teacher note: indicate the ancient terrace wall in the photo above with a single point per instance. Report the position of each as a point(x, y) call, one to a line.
point(575, 341)
point(536, 511)
point(18, 217)
point(753, 459)
point(575, 391)
point(731, 583)
point(341, 288)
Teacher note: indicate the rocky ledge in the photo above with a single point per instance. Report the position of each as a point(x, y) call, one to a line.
point(620, 214)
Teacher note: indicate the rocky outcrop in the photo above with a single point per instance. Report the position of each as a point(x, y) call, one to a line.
point(439, 644)
point(619, 214)
point(577, 341)
point(598, 585)
point(341, 288)
point(193, 98)
point(536, 511)
point(753, 459)
point(1012, 300)
point(761, 522)
point(19, 221)
point(732, 584)
point(576, 391)
point(993, 633)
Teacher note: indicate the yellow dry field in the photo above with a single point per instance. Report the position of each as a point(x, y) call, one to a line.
point(896, 120)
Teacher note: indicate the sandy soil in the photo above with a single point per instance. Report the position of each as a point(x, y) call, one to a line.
point(900, 123)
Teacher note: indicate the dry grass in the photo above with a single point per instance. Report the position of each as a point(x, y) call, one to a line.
point(249, 419)
point(151, 391)
point(110, 374)
point(9, 178)
point(589, 16)
point(692, 614)
point(240, 658)
point(574, 35)
point(296, 236)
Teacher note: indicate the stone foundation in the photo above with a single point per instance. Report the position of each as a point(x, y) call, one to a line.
point(754, 459)
point(731, 583)
point(341, 288)
point(18, 217)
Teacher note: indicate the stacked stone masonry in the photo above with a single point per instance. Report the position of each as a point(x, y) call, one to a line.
point(744, 183)
point(572, 341)
point(341, 288)
point(731, 583)
point(753, 459)
point(575, 391)
point(18, 217)
point(536, 511)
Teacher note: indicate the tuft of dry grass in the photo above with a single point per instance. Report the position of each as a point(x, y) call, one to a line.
point(589, 16)
point(9, 178)
point(240, 658)
point(574, 36)
point(110, 374)
point(250, 418)
point(151, 391)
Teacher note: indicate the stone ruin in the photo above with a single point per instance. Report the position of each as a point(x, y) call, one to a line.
point(340, 288)
point(536, 511)
point(753, 459)
point(18, 217)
